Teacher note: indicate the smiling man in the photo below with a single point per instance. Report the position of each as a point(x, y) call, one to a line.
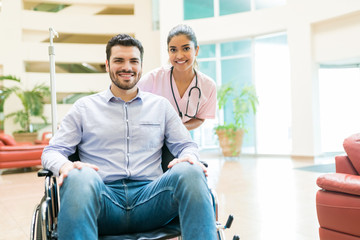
point(118, 185)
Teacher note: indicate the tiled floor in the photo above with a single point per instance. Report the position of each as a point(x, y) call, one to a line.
point(269, 197)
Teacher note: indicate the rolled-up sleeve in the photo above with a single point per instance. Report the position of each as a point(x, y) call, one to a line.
point(64, 142)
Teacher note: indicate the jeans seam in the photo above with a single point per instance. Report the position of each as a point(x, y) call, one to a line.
point(103, 193)
point(151, 197)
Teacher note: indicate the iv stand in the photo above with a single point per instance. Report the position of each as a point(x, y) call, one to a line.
point(53, 33)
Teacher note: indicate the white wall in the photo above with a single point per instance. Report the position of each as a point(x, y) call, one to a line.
point(336, 41)
point(16, 47)
point(318, 31)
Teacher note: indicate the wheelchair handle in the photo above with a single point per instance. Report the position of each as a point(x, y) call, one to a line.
point(44, 173)
point(236, 237)
point(229, 222)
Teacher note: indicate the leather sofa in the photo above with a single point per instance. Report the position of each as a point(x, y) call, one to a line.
point(18, 155)
point(338, 200)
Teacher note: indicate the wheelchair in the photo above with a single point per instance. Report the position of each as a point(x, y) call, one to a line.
point(44, 219)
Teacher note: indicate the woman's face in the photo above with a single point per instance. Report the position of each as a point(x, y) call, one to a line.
point(182, 52)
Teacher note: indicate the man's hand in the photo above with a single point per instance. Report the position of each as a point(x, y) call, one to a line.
point(190, 160)
point(67, 167)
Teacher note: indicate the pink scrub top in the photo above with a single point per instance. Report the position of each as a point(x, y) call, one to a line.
point(158, 82)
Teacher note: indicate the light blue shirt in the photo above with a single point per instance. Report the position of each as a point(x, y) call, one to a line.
point(124, 139)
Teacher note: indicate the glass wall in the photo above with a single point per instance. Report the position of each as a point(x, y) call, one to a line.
point(207, 63)
point(339, 103)
point(233, 6)
point(195, 9)
point(264, 62)
point(236, 68)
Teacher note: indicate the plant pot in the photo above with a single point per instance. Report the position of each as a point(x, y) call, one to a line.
point(25, 137)
point(230, 142)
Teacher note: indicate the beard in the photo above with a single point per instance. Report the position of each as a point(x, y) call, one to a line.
point(124, 85)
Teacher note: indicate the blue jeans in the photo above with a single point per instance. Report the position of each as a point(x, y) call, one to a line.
point(89, 207)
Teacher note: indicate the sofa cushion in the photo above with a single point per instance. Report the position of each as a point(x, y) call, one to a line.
point(352, 148)
point(340, 182)
point(7, 139)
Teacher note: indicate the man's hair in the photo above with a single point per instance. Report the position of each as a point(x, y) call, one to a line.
point(124, 40)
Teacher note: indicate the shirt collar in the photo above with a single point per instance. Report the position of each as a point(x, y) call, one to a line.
point(109, 96)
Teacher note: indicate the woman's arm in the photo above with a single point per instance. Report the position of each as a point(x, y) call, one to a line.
point(193, 123)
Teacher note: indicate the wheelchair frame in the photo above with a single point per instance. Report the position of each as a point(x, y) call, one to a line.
point(44, 219)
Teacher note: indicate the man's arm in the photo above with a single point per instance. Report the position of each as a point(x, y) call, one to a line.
point(63, 143)
point(179, 141)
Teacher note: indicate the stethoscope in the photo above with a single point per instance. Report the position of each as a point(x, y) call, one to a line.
point(191, 89)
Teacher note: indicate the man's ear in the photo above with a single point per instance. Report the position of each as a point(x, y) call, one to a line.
point(107, 65)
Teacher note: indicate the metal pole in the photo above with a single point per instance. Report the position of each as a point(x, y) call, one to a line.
point(53, 33)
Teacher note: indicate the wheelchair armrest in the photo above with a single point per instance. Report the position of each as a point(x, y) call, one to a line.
point(44, 173)
point(47, 173)
point(204, 163)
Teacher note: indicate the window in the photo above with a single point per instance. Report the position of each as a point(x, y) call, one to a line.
point(338, 98)
point(43, 67)
point(195, 9)
point(207, 62)
point(155, 15)
point(264, 62)
point(232, 6)
point(44, 7)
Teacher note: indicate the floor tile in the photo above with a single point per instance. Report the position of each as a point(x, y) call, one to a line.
point(268, 197)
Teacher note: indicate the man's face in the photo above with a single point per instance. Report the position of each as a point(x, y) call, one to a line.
point(124, 66)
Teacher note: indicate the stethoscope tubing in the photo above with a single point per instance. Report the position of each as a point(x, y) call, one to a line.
point(191, 89)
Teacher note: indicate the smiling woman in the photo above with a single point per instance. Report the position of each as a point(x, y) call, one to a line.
point(192, 93)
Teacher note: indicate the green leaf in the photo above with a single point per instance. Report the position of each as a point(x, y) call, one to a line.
point(244, 101)
point(32, 103)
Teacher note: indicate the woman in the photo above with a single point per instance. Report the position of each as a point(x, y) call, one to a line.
point(192, 93)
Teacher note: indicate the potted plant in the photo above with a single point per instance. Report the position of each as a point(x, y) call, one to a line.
point(32, 107)
point(4, 94)
point(244, 101)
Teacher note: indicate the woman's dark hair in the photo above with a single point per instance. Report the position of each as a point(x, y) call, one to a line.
point(124, 40)
point(182, 29)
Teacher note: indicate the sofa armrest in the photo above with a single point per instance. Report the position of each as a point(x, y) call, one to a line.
point(340, 182)
point(21, 148)
point(344, 165)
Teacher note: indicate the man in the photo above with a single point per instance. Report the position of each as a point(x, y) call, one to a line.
point(118, 187)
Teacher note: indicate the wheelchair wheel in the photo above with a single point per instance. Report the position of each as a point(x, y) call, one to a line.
point(35, 230)
point(38, 227)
